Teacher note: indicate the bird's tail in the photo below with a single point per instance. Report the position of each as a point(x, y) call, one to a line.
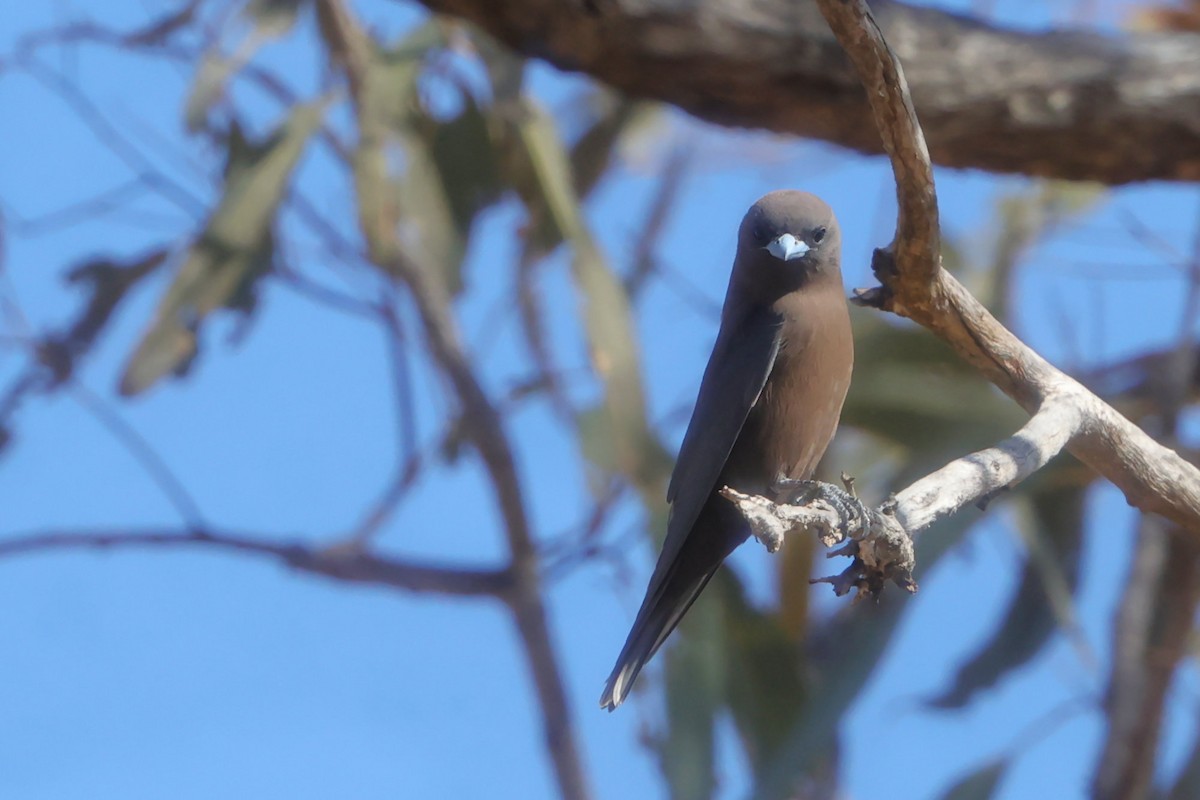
point(653, 625)
point(673, 589)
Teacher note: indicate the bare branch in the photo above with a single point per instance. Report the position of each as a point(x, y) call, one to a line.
point(151, 461)
point(1063, 104)
point(1153, 478)
point(978, 477)
point(1065, 414)
point(917, 243)
point(344, 564)
point(883, 550)
point(1154, 620)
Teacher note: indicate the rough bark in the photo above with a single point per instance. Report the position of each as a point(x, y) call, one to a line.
point(1061, 104)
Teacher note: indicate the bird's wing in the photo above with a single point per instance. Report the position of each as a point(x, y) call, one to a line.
point(734, 378)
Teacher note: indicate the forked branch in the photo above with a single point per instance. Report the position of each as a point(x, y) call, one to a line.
point(913, 284)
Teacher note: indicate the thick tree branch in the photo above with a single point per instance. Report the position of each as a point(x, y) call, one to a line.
point(1061, 104)
point(344, 564)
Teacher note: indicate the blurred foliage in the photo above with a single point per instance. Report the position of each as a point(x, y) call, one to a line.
point(784, 674)
point(979, 785)
point(232, 252)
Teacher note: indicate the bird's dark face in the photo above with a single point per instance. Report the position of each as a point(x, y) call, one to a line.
point(791, 232)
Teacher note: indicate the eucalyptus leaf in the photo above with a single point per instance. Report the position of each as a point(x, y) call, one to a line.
point(229, 255)
point(1042, 601)
point(910, 389)
point(274, 17)
point(979, 785)
point(269, 20)
point(765, 689)
point(843, 653)
point(695, 690)
point(1187, 784)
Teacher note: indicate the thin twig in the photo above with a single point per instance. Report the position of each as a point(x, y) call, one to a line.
point(356, 566)
point(108, 135)
point(645, 261)
point(408, 459)
point(137, 446)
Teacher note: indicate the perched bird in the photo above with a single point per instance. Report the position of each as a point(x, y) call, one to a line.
point(768, 406)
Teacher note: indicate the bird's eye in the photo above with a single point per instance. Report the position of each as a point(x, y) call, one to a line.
point(759, 233)
point(818, 235)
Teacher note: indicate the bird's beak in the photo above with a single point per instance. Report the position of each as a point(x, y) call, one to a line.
point(787, 247)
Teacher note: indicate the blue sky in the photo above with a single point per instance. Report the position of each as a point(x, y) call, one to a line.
point(143, 674)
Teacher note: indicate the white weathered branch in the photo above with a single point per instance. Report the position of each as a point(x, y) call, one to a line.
point(1153, 477)
point(976, 478)
point(884, 550)
point(1065, 414)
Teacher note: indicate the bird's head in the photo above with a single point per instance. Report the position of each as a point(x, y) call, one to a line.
point(789, 237)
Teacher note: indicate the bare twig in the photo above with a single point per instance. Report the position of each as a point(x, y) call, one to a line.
point(117, 143)
point(141, 450)
point(916, 247)
point(645, 261)
point(883, 551)
point(980, 476)
point(408, 460)
point(353, 565)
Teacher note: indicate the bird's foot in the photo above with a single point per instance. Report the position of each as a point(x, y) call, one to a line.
point(844, 501)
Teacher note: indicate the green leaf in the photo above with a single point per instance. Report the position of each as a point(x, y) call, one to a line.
point(765, 689)
point(843, 653)
point(229, 255)
point(270, 19)
point(449, 177)
point(695, 689)
point(420, 181)
point(1187, 784)
point(274, 17)
point(505, 69)
point(979, 785)
point(608, 319)
point(390, 87)
point(910, 389)
point(464, 151)
point(1042, 601)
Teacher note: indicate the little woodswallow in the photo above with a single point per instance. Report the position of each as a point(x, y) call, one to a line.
point(768, 406)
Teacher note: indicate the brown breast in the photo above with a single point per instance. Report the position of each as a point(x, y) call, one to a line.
point(796, 415)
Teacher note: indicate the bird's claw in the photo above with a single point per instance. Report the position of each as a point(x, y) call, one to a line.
point(845, 503)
